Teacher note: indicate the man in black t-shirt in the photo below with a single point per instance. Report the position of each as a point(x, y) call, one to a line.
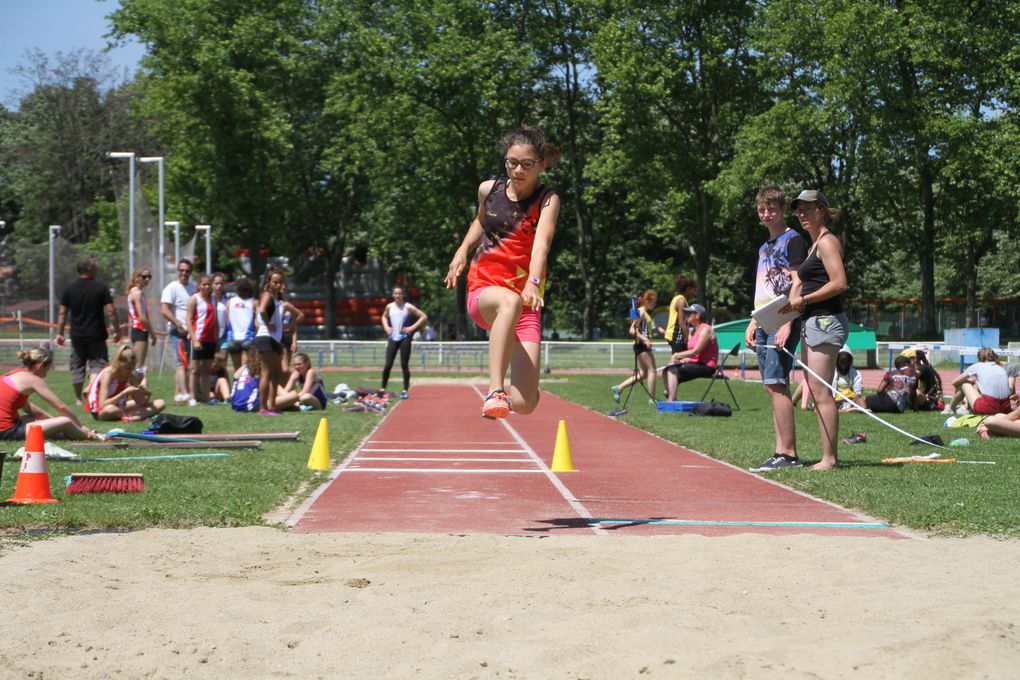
point(87, 300)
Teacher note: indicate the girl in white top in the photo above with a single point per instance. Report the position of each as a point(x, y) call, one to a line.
point(269, 332)
point(241, 321)
point(395, 321)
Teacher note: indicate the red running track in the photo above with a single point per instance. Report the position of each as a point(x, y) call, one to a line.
point(434, 465)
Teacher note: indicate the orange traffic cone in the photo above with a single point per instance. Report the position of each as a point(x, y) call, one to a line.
point(34, 477)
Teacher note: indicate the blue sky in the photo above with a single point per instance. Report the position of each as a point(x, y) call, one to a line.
point(55, 26)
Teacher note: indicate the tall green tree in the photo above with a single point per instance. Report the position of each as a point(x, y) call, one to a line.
point(238, 91)
point(53, 148)
point(677, 85)
point(421, 110)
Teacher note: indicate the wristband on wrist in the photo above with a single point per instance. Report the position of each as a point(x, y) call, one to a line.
point(535, 280)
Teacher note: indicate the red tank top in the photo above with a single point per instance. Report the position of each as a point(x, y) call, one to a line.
point(11, 401)
point(508, 227)
point(710, 357)
point(205, 320)
point(135, 317)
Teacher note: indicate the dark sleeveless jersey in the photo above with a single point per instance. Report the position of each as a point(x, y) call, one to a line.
point(508, 234)
point(813, 276)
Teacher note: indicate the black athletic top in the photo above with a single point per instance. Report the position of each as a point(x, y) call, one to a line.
point(812, 277)
point(86, 301)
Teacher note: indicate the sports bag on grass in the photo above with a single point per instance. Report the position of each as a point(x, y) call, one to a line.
point(713, 408)
point(168, 423)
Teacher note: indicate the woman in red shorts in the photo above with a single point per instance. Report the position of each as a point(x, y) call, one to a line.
point(512, 232)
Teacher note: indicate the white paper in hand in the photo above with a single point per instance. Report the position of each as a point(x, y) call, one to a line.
point(768, 317)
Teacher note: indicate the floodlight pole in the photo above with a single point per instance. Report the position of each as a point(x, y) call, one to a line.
point(208, 246)
point(158, 160)
point(177, 240)
point(54, 230)
point(130, 155)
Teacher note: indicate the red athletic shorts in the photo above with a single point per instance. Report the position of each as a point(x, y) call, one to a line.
point(529, 327)
point(989, 406)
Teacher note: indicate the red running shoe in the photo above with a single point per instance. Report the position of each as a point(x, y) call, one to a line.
point(497, 405)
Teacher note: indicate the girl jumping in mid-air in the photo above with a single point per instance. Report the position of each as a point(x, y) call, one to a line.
point(512, 231)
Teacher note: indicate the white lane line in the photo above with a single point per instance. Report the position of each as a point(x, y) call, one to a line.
point(438, 441)
point(442, 470)
point(405, 450)
point(553, 479)
point(321, 489)
point(477, 460)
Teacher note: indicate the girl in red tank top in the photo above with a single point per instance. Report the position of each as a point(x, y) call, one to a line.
point(15, 389)
point(512, 232)
point(139, 324)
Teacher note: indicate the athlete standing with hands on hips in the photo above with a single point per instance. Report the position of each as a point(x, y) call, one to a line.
point(512, 232)
point(400, 329)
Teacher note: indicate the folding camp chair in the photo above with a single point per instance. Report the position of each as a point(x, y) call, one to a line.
point(720, 374)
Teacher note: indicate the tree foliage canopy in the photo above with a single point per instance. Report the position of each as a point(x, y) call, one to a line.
point(310, 127)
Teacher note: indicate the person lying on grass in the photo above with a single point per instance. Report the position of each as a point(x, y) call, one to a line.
point(304, 389)
point(1001, 425)
point(15, 389)
point(115, 392)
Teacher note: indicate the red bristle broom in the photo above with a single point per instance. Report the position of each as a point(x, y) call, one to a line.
point(105, 482)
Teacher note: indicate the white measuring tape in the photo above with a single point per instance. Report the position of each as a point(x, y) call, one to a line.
point(852, 403)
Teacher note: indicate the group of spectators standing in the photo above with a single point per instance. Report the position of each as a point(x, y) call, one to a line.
point(205, 326)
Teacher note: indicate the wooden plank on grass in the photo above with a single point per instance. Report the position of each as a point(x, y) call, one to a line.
point(241, 436)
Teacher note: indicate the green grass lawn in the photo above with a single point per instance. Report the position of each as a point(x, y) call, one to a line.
point(939, 498)
point(238, 490)
point(232, 491)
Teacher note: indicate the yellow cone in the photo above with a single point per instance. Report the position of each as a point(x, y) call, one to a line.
point(562, 461)
point(319, 458)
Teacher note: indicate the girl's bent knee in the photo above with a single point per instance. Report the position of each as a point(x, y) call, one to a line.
point(526, 407)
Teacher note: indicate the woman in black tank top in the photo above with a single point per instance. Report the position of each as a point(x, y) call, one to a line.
point(818, 286)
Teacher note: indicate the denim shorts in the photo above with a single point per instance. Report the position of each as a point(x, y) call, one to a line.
point(775, 365)
point(826, 329)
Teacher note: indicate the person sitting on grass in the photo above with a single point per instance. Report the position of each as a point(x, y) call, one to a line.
point(895, 392)
point(244, 395)
point(847, 382)
point(219, 384)
point(700, 360)
point(115, 393)
point(18, 385)
point(304, 389)
point(1001, 425)
point(928, 396)
point(986, 386)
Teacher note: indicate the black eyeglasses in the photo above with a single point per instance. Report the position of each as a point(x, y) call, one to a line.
point(183, 271)
point(146, 276)
point(526, 163)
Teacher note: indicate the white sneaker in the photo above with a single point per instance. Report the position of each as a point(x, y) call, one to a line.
point(948, 411)
point(181, 398)
point(192, 402)
point(962, 411)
